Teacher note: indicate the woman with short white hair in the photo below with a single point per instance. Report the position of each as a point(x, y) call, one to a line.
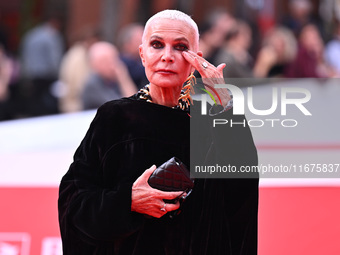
point(106, 203)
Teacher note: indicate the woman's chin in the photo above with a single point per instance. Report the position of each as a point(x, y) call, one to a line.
point(167, 81)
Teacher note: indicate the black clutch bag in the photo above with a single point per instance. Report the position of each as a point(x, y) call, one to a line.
point(172, 175)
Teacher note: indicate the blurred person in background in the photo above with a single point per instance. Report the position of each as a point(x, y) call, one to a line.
point(74, 70)
point(5, 76)
point(332, 52)
point(278, 50)
point(3, 35)
point(299, 15)
point(213, 31)
point(235, 52)
point(129, 39)
point(42, 51)
point(109, 78)
point(309, 61)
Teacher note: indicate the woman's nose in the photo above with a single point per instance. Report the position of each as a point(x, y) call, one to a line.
point(168, 55)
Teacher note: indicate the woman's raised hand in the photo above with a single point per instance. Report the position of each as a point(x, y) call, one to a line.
point(147, 200)
point(211, 75)
point(206, 69)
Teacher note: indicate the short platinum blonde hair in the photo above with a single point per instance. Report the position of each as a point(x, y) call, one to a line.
point(173, 15)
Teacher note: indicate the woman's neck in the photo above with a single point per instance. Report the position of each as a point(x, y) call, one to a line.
point(165, 96)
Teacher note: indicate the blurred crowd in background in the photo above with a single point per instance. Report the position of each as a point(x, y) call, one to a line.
point(48, 76)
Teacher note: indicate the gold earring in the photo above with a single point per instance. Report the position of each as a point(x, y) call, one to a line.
point(188, 88)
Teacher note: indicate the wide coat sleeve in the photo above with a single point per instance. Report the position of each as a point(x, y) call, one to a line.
point(94, 211)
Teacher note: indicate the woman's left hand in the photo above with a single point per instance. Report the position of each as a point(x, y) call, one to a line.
point(210, 74)
point(150, 201)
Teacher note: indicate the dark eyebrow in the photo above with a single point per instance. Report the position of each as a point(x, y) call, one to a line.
point(156, 37)
point(182, 39)
point(177, 39)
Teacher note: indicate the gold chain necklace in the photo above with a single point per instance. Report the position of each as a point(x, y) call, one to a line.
point(184, 99)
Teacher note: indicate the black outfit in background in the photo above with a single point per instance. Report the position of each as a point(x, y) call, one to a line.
point(126, 137)
point(136, 71)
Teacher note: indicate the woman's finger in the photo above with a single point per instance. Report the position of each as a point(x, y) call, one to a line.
point(147, 173)
point(206, 69)
point(189, 57)
point(194, 59)
point(172, 207)
point(200, 68)
point(220, 68)
point(169, 195)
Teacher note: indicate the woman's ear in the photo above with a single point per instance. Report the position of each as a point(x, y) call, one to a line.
point(141, 54)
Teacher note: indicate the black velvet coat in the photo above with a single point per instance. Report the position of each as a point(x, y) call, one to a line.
point(126, 137)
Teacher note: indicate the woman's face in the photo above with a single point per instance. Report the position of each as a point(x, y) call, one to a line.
point(311, 39)
point(161, 52)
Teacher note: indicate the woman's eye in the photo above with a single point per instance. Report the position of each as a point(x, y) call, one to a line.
point(181, 47)
point(156, 44)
